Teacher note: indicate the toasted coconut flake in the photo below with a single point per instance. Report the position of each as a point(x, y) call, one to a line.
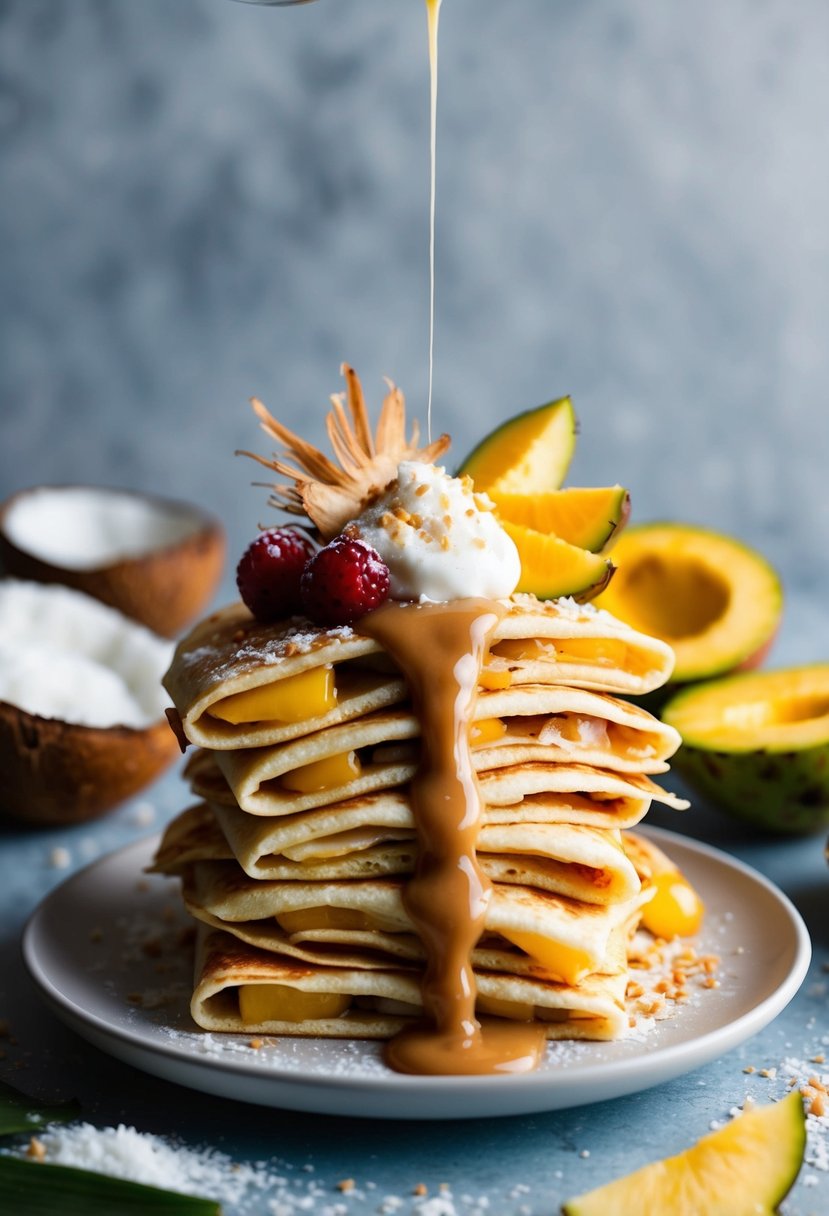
point(330, 493)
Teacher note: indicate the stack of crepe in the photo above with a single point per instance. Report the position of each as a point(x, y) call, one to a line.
point(295, 859)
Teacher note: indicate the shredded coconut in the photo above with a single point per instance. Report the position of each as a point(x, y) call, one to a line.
point(123, 1152)
point(55, 642)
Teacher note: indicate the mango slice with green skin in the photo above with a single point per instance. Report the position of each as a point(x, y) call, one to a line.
point(757, 745)
point(589, 517)
point(744, 1169)
point(716, 601)
point(528, 454)
point(551, 568)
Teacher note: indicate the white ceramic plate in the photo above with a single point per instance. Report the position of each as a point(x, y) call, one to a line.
point(108, 950)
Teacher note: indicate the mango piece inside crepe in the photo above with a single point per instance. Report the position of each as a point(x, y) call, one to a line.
point(235, 979)
point(565, 937)
point(230, 657)
point(517, 726)
point(375, 837)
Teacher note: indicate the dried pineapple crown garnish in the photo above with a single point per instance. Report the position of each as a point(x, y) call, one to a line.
point(331, 494)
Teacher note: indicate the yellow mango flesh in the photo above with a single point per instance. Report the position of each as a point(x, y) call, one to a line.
point(784, 710)
point(550, 567)
point(306, 919)
point(297, 699)
point(527, 454)
point(744, 1169)
point(259, 1003)
point(494, 678)
point(324, 774)
point(569, 964)
point(486, 731)
point(604, 652)
point(716, 601)
point(517, 1011)
point(587, 517)
point(675, 910)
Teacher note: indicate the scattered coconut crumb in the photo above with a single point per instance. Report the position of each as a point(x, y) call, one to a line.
point(36, 1149)
point(123, 1152)
point(664, 975)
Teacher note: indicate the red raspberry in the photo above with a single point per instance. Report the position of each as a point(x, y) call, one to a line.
point(343, 581)
point(269, 572)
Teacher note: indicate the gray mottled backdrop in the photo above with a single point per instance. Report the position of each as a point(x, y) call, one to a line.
point(201, 200)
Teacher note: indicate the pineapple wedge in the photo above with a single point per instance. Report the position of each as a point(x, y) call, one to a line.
point(744, 1169)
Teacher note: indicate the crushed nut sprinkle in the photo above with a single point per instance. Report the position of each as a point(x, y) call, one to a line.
point(663, 974)
point(36, 1149)
point(817, 1097)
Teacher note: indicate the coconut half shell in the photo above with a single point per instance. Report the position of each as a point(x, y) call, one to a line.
point(157, 560)
point(82, 723)
point(60, 773)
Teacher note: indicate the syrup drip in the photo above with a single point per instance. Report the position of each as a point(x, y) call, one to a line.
point(432, 14)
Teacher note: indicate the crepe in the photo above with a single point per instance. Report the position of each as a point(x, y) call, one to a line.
point(575, 725)
point(380, 1002)
point(522, 725)
point(375, 837)
point(566, 937)
point(230, 655)
point(576, 793)
point(579, 645)
point(269, 780)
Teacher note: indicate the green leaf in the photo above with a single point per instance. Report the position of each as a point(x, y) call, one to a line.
point(30, 1188)
point(21, 1114)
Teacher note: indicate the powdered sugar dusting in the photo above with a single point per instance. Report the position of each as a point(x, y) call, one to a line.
point(251, 647)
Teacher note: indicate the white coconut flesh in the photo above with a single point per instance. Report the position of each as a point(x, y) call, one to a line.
point(87, 528)
point(66, 656)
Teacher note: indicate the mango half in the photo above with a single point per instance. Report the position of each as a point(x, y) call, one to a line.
point(716, 601)
point(757, 745)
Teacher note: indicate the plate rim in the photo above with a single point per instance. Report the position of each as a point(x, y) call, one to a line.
point(666, 1059)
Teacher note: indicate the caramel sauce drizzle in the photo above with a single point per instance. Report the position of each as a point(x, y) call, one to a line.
point(441, 649)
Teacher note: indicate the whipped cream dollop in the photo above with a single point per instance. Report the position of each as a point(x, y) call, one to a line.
point(440, 540)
